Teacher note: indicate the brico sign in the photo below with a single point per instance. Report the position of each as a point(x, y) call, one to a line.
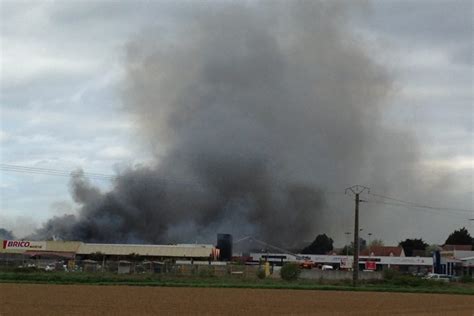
point(23, 244)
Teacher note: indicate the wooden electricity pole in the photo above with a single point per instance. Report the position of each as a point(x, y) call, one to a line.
point(356, 190)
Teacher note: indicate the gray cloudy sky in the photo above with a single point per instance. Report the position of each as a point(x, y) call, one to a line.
point(61, 71)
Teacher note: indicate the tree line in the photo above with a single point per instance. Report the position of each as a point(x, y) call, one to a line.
point(323, 244)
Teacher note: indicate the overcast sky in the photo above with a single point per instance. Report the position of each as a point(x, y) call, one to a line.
point(61, 71)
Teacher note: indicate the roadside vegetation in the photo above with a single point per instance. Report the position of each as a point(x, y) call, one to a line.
point(397, 283)
point(290, 271)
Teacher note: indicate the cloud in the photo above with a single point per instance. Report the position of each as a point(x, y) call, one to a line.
point(114, 152)
point(21, 226)
point(425, 23)
point(61, 84)
point(456, 163)
point(5, 137)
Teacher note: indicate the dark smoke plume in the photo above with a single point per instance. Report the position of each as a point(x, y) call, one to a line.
point(6, 234)
point(253, 111)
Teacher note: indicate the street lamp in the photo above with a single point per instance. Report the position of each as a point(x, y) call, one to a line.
point(368, 246)
point(347, 248)
point(358, 244)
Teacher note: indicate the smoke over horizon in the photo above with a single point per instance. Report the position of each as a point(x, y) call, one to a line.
point(253, 111)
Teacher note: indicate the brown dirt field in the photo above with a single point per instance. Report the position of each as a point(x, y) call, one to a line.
point(38, 299)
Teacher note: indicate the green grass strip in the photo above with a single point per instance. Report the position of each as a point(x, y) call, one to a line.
point(224, 282)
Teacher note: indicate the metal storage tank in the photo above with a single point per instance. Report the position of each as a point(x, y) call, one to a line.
point(224, 243)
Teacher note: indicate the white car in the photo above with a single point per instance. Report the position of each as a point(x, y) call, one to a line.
point(49, 267)
point(438, 277)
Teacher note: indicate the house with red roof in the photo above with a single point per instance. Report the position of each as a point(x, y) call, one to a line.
point(383, 251)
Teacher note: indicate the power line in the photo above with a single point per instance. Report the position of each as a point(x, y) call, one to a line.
point(108, 177)
point(101, 176)
point(421, 205)
point(3, 165)
point(409, 207)
point(51, 172)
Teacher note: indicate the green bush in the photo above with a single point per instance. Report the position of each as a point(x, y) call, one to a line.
point(261, 274)
point(408, 280)
point(390, 274)
point(25, 269)
point(290, 271)
point(393, 277)
point(205, 272)
point(466, 279)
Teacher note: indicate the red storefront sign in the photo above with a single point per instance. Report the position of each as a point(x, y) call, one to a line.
point(370, 265)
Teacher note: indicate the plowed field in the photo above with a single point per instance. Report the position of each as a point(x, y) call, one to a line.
point(37, 299)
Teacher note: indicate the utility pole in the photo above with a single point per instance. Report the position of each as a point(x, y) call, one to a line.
point(356, 190)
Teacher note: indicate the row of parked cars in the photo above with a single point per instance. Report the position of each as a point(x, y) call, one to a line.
point(441, 277)
point(58, 266)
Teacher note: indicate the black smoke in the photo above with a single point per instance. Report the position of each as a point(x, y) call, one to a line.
point(6, 234)
point(253, 110)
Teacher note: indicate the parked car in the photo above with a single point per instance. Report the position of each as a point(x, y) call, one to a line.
point(438, 277)
point(50, 267)
point(306, 264)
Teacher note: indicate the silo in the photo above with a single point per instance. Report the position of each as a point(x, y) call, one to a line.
point(224, 243)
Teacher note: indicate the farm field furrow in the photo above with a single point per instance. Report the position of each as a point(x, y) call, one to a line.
point(38, 299)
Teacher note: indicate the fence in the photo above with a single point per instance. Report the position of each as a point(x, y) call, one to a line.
point(20, 263)
point(336, 275)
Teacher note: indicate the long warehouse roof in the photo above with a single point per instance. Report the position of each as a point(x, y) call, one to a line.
point(148, 250)
point(80, 248)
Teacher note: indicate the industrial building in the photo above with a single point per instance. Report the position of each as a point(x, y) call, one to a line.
point(454, 260)
point(80, 250)
point(415, 264)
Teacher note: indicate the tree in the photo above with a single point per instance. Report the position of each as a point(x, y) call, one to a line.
point(321, 245)
point(362, 244)
point(349, 249)
point(134, 257)
point(96, 256)
point(376, 243)
point(460, 237)
point(432, 248)
point(412, 244)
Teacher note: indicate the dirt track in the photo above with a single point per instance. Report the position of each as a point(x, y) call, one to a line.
point(35, 299)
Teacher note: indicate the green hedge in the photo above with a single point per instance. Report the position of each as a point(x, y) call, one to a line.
point(290, 271)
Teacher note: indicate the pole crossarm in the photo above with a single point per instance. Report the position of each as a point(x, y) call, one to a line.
point(357, 189)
